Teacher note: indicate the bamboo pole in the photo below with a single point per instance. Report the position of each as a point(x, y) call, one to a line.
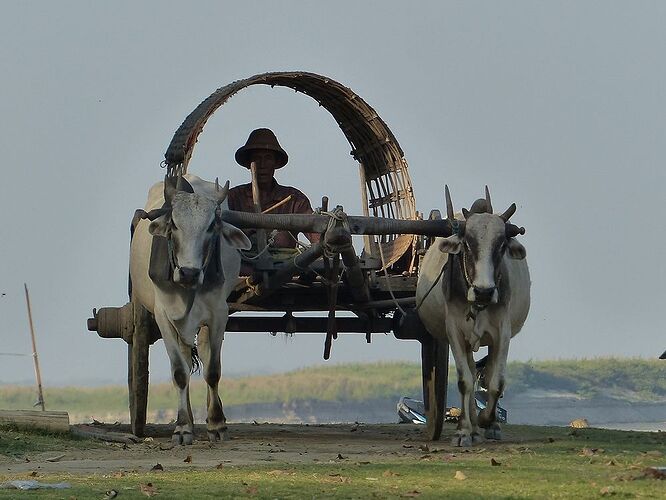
point(256, 199)
point(35, 358)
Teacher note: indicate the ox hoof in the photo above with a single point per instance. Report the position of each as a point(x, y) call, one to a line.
point(221, 435)
point(462, 440)
point(184, 437)
point(494, 433)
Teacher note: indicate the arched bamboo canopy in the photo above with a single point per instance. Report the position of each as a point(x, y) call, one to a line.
point(386, 186)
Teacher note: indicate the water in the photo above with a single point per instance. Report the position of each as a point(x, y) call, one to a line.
point(635, 426)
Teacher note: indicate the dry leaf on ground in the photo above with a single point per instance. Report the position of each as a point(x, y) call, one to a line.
point(339, 479)
point(148, 489)
point(460, 475)
point(188, 459)
point(494, 462)
point(157, 466)
point(411, 494)
point(390, 473)
point(655, 472)
point(280, 472)
point(589, 452)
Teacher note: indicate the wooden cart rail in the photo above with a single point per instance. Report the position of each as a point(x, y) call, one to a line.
point(318, 223)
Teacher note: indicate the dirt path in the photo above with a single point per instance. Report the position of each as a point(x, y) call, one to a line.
point(281, 444)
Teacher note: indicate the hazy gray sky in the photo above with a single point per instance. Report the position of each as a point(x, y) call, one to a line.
point(558, 106)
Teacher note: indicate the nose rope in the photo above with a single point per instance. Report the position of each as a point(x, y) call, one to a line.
point(474, 307)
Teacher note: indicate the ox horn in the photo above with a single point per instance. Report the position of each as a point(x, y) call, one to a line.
point(511, 230)
point(183, 185)
point(489, 205)
point(449, 204)
point(508, 212)
point(221, 193)
point(457, 227)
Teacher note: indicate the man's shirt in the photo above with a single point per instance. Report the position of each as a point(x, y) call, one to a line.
point(240, 199)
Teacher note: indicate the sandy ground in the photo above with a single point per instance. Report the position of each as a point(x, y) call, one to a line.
point(282, 444)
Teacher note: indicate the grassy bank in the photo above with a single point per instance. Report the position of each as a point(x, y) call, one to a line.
point(626, 378)
point(547, 462)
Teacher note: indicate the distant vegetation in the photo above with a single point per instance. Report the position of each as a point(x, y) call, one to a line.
point(634, 379)
point(622, 378)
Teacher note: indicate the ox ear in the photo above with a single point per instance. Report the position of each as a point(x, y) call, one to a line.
point(158, 227)
point(515, 249)
point(236, 237)
point(452, 244)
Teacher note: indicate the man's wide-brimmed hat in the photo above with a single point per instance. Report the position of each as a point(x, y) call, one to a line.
point(261, 138)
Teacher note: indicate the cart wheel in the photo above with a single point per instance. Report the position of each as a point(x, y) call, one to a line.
point(137, 374)
point(435, 366)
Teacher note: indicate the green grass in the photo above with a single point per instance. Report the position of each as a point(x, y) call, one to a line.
point(16, 442)
point(550, 462)
point(639, 378)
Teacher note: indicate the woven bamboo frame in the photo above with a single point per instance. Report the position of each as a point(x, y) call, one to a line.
point(384, 172)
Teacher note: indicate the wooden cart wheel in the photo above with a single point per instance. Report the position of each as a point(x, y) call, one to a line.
point(137, 374)
point(435, 366)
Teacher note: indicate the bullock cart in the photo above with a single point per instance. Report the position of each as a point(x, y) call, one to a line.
point(378, 286)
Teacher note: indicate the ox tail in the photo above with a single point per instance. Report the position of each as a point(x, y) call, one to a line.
point(196, 361)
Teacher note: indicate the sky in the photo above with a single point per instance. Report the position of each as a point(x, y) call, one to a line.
point(557, 106)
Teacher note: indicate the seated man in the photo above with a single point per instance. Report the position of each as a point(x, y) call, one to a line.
point(262, 147)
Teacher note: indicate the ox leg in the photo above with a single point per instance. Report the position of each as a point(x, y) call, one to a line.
point(495, 380)
point(463, 435)
point(180, 357)
point(475, 434)
point(210, 350)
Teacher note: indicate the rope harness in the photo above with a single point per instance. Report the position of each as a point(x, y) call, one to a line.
point(337, 215)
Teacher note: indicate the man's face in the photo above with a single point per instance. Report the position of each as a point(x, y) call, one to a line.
point(266, 162)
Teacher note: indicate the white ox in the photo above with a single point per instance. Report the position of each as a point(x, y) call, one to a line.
point(474, 289)
point(186, 306)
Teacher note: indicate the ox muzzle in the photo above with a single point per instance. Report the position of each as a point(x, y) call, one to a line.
point(482, 296)
point(188, 277)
